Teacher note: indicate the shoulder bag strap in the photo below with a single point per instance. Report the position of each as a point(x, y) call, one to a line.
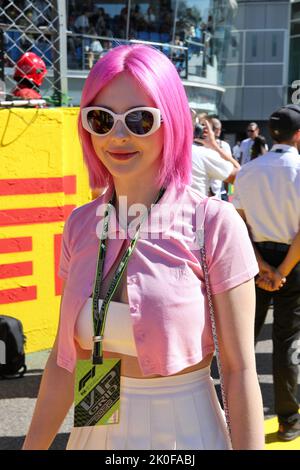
point(203, 261)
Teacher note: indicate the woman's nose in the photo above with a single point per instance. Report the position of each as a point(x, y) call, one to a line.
point(120, 131)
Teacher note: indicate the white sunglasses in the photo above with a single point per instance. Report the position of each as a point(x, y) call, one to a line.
point(141, 121)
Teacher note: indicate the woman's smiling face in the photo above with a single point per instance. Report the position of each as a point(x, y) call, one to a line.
point(123, 154)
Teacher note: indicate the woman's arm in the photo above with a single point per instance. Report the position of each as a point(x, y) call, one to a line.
point(235, 311)
point(209, 141)
point(54, 400)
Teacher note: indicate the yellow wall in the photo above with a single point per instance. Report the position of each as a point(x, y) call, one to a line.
point(38, 148)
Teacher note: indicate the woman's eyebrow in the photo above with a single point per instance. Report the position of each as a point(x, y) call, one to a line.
point(128, 109)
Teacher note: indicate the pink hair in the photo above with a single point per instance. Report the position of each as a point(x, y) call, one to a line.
point(159, 78)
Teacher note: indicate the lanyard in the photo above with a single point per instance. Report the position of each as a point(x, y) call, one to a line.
point(99, 316)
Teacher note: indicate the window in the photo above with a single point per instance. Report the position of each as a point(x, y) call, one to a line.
point(254, 45)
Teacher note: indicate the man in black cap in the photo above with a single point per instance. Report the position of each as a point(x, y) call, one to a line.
point(267, 196)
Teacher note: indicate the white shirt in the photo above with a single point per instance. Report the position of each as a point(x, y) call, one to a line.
point(216, 185)
point(207, 164)
point(81, 21)
point(96, 46)
point(236, 152)
point(267, 189)
point(246, 146)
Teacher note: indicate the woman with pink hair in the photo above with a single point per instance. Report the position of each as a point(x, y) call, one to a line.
point(135, 335)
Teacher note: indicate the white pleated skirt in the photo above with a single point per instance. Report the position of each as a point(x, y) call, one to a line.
point(171, 413)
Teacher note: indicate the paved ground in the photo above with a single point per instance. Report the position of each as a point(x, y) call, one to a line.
point(17, 397)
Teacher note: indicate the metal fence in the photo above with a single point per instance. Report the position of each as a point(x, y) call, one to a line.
point(40, 26)
point(84, 50)
point(35, 26)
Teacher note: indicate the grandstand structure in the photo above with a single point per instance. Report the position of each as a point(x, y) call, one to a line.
point(71, 35)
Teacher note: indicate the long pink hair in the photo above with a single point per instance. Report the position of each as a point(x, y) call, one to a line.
point(159, 78)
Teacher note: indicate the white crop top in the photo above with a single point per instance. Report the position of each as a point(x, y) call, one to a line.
point(118, 333)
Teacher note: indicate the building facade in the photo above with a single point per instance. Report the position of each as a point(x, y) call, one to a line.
point(262, 63)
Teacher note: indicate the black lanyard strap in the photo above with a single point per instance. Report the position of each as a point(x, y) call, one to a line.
point(99, 316)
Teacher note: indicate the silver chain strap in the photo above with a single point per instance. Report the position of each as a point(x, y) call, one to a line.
point(213, 322)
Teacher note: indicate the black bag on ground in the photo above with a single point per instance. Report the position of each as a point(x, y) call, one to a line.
point(12, 343)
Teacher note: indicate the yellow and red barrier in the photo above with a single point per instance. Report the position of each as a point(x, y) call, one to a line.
point(42, 178)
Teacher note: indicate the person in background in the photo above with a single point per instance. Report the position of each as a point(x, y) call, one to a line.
point(206, 162)
point(82, 23)
point(259, 147)
point(246, 144)
point(222, 148)
point(236, 151)
point(206, 165)
point(218, 187)
point(29, 74)
point(267, 195)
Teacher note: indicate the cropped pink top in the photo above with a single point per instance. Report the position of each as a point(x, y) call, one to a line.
point(167, 302)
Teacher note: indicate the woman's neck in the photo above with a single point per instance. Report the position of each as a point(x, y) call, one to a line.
point(130, 193)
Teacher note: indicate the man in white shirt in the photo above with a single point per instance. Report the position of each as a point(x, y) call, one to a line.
point(82, 23)
point(246, 144)
point(267, 196)
point(207, 164)
point(236, 151)
point(215, 162)
point(216, 185)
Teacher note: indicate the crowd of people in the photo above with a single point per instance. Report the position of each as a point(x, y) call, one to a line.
point(266, 195)
point(104, 30)
point(148, 26)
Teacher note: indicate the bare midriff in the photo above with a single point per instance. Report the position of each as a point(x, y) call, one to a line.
point(130, 366)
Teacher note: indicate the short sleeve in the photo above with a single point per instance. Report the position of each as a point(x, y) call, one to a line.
point(230, 255)
point(65, 253)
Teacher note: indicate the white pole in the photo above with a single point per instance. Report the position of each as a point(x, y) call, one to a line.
point(62, 20)
point(175, 21)
point(128, 18)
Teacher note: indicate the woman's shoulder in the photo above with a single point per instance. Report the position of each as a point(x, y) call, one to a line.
point(220, 211)
point(212, 205)
point(89, 208)
point(222, 218)
point(193, 196)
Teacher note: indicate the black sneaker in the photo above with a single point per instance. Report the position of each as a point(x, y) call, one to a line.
point(289, 431)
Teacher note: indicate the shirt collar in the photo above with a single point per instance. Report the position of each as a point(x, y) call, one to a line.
point(285, 148)
point(160, 218)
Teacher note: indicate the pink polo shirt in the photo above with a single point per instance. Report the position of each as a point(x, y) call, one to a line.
point(168, 307)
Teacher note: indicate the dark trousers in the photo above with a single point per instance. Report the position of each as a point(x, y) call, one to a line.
point(285, 335)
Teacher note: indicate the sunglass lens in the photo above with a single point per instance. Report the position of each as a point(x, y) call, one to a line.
point(140, 122)
point(100, 121)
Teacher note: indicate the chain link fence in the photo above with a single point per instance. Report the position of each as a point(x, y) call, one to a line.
point(36, 26)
